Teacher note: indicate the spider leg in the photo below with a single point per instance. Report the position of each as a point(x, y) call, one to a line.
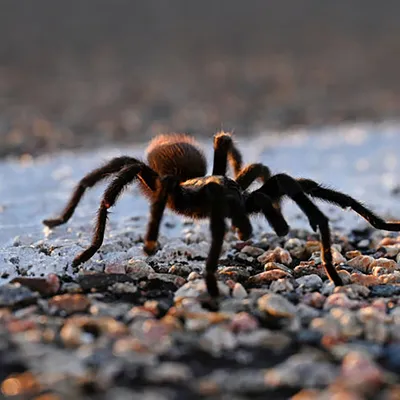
point(99, 174)
point(252, 172)
point(224, 149)
point(314, 189)
point(215, 197)
point(168, 184)
point(259, 202)
point(282, 184)
point(240, 219)
point(124, 177)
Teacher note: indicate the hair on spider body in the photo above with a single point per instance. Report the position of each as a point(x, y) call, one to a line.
point(175, 155)
point(175, 177)
point(178, 155)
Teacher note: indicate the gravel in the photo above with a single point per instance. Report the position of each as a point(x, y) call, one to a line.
point(127, 325)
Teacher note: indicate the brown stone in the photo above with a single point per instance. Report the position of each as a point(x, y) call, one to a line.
point(267, 277)
point(69, 303)
point(45, 286)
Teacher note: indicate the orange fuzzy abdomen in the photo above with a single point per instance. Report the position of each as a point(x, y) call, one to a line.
point(177, 155)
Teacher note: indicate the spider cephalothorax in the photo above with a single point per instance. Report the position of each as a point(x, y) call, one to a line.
point(175, 177)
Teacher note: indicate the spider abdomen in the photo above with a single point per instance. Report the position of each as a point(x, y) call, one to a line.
point(177, 155)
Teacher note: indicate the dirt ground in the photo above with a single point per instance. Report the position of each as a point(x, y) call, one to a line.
point(83, 75)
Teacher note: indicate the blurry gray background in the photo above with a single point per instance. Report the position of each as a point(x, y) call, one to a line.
point(86, 73)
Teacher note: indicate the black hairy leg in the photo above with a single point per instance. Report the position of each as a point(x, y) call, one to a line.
point(240, 219)
point(99, 174)
point(342, 200)
point(167, 185)
point(123, 178)
point(259, 202)
point(251, 173)
point(224, 150)
point(284, 185)
point(214, 194)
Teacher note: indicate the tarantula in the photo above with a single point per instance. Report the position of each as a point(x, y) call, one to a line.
point(176, 177)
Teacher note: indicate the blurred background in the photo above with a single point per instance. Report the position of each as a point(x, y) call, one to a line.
point(83, 74)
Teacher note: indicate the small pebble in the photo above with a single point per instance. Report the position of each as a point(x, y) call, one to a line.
point(340, 300)
point(239, 292)
point(168, 373)
point(195, 288)
point(314, 299)
point(337, 257)
point(181, 270)
point(252, 251)
point(362, 263)
point(277, 255)
point(276, 305)
point(363, 279)
point(193, 276)
point(267, 277)
point(15, 294)
point(217, 340)
point(115, 269)
point(269, 266)
point(364, 243)
point(309, 282)
point(264, 338)
point(312, 246)
point(69, 303)
point(352, 254)
point(138, 268)
point(238, 274)
point(359, 372)
point(45, 286)
point(281, 285)
point(243, 322)
point(301, 370)
point(385, 290)
point(391, 250)
point(353, 291)
point(296, 248)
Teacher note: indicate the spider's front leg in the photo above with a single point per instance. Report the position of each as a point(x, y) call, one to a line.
point(224, 149)
point(215, 196)
point(258, 202)
point(238, 215)
point(167, 186)
point(124, 177)
point(251, 173)
point(91, 179)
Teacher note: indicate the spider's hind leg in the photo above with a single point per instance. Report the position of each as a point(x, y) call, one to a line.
point(281, 185)
point(317, 191)
point(99, 174)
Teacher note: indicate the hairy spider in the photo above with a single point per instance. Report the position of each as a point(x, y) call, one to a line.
point(175, 177)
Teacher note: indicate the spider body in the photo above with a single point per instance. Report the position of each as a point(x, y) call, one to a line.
point(189, 200)
point(175, 177)
point(177, 155)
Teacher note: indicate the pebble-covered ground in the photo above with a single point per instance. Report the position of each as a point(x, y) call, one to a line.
point(129, 326)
